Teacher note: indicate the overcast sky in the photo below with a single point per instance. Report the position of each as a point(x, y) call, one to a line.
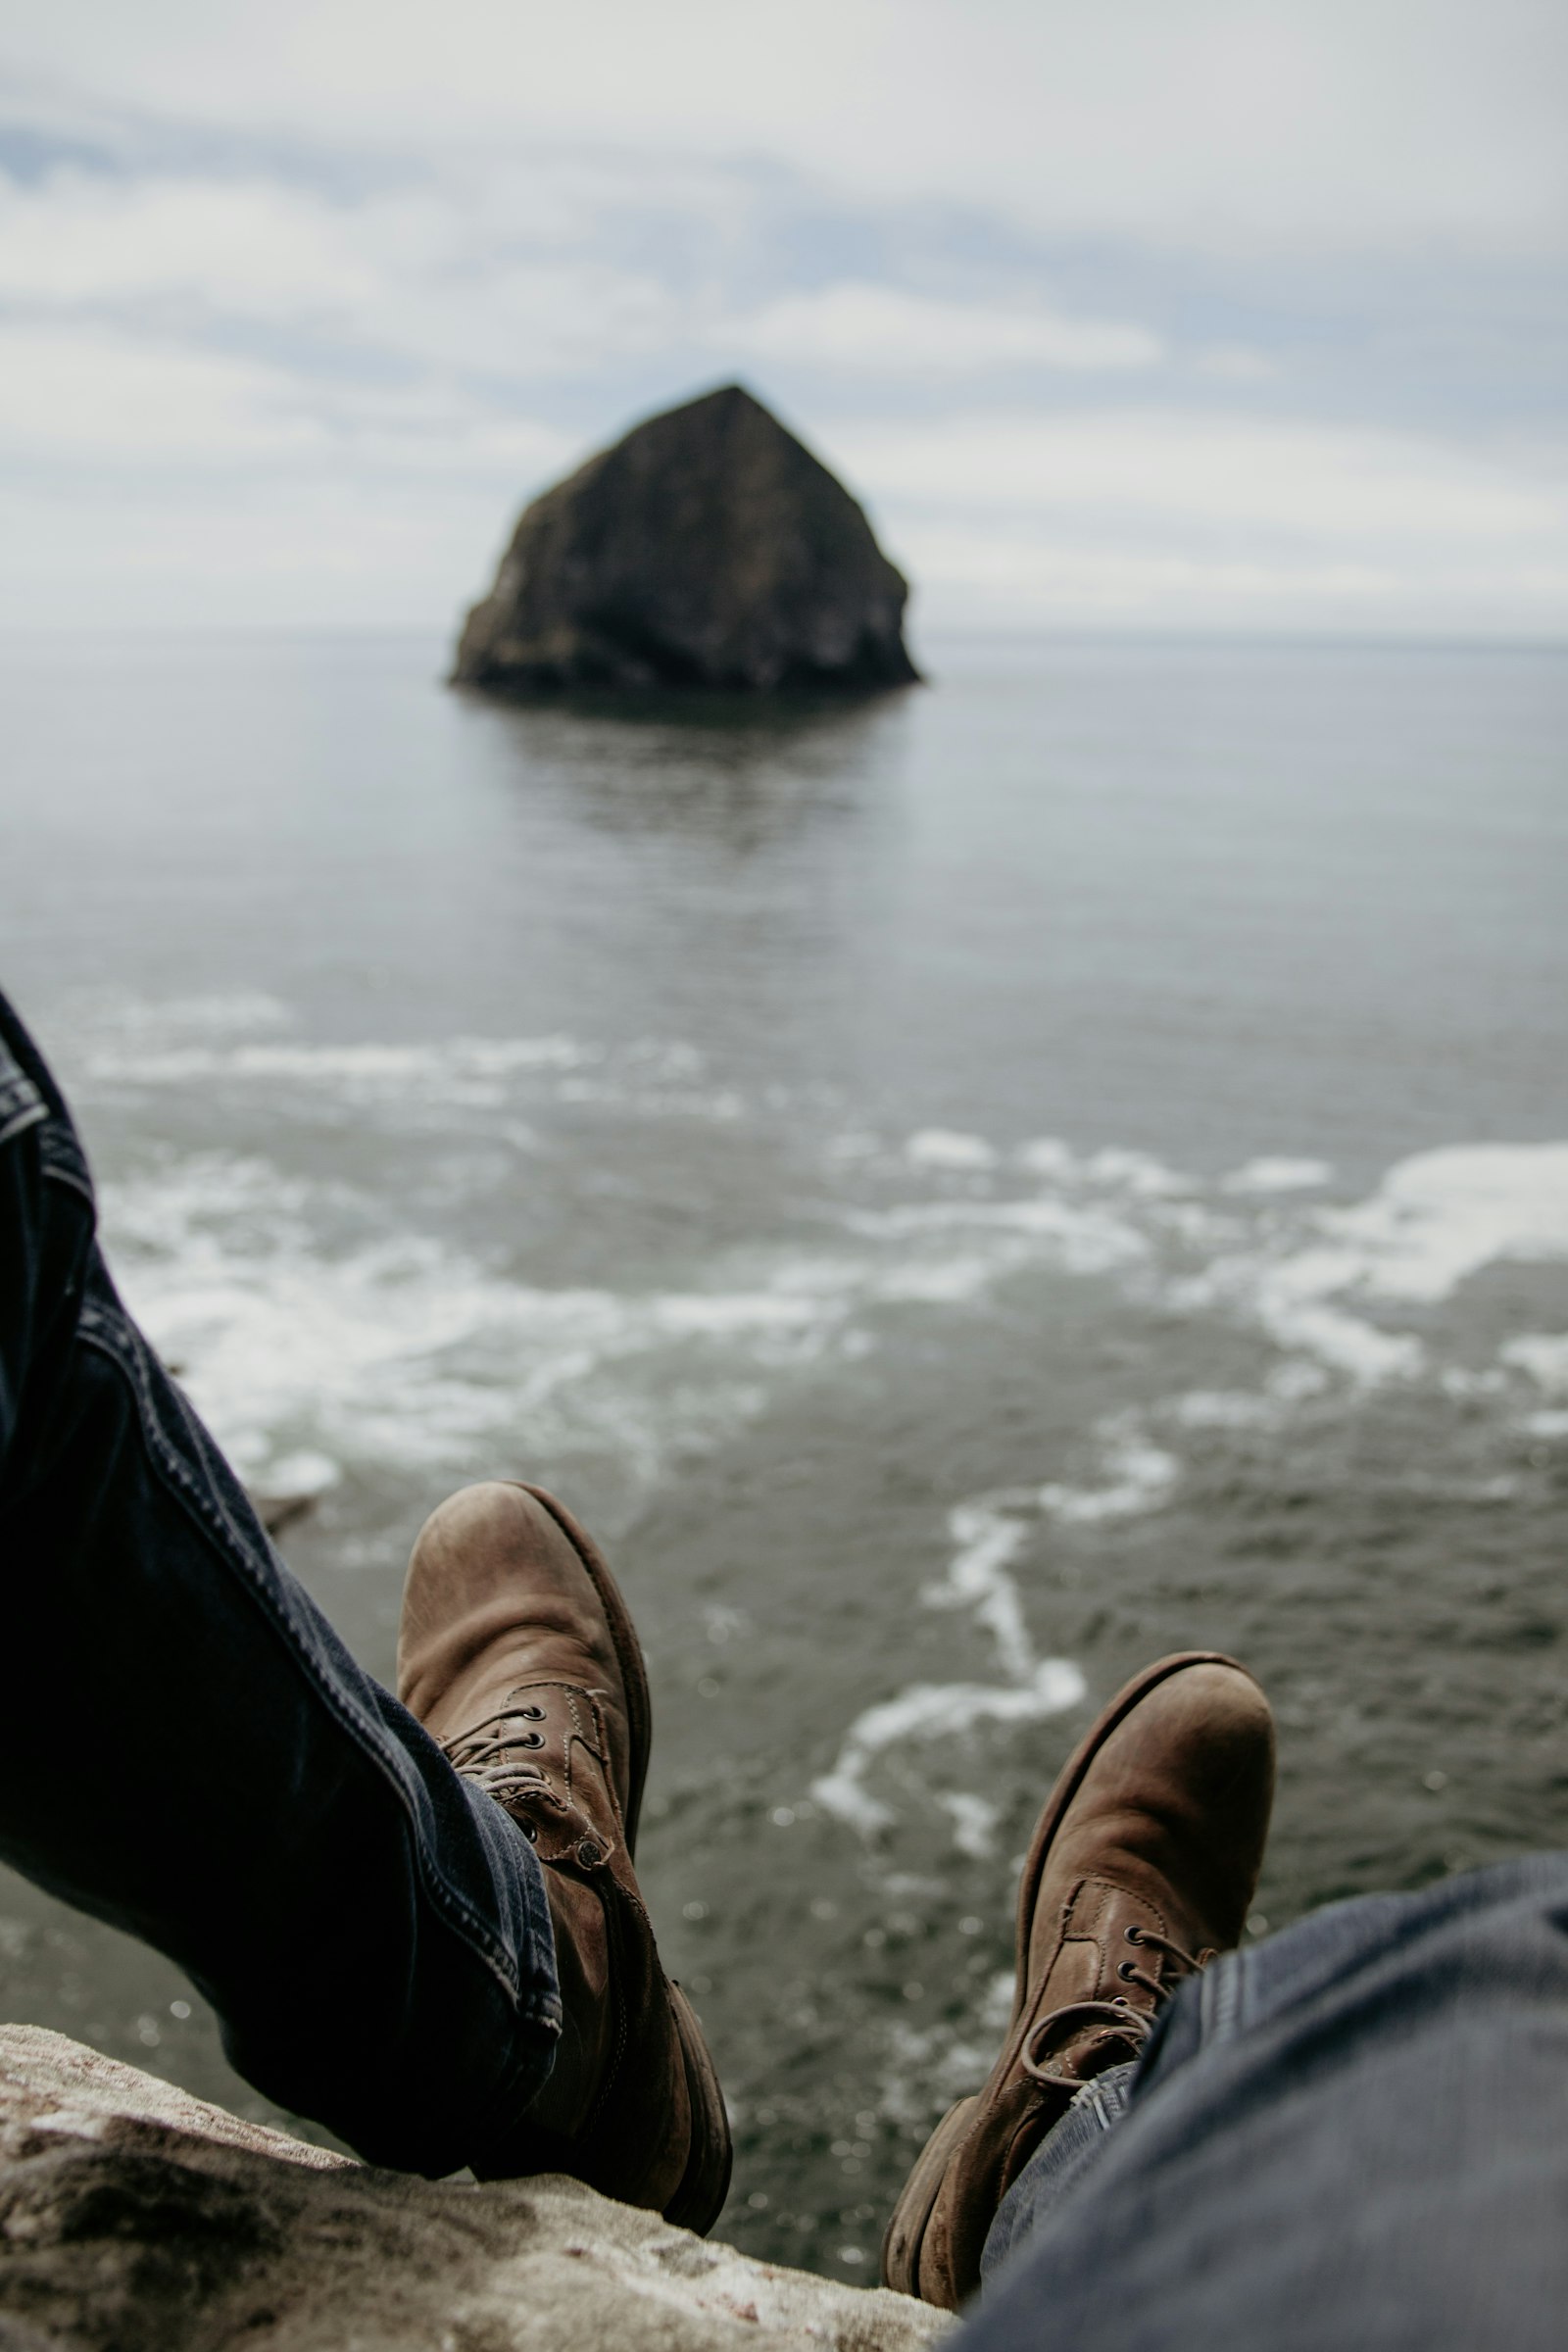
point(1150, 314)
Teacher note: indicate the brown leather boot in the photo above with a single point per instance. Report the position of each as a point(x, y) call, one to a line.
point(516, 1652)
point(1141, 1869)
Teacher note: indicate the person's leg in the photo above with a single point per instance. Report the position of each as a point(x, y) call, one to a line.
point(1350, 2132)
point(1255, 1981)
point(187, 1750)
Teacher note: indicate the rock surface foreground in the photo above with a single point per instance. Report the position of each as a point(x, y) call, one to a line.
point(136, 2218)
point(708, 548)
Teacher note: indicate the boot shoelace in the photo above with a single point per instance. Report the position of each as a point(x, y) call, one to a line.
point(486, 1755)
point(1136, 2025)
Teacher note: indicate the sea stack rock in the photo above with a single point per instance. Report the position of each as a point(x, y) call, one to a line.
point(708, 548)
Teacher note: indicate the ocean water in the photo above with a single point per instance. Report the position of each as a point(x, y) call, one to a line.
point(965, 1194)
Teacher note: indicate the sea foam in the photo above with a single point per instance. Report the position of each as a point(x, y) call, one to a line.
point(935, 1711)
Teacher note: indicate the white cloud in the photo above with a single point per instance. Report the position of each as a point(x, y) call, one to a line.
point(1222, 471)
point(1236, 363)
point(432, 270)
point(879, 331)
point(971, 578)
point(318, 550)
point(355, 279)
point(256, 247)
point(1152, 518)
point(94, 399)
point(1221, 123)
point(95, 395)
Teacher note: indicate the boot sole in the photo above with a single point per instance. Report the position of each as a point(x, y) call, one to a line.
point(902, 2246)
point(911, 2215)
point(700, 2199)
point(628, 1651)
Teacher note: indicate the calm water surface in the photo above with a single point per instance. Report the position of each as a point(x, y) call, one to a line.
point(965, 1194)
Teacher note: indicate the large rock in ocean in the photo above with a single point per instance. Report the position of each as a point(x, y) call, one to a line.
point(136, 2218)
point(709, 548)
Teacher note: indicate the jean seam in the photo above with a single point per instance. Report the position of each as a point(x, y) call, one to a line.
point(1097, 2100)
point(22, 1101)
point(100, 1332)
point(1220, 2003)
point(29, 1115)
point(72, 1173)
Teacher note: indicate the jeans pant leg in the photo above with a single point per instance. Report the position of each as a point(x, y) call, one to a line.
point(189, 1751)
point(1350, 2133)
point(1072, 2143)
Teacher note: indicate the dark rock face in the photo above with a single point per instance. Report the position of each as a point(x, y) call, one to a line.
point(706, 549)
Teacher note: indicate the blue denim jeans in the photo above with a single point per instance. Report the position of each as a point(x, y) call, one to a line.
point(1351, 2134)
point(187, 1749)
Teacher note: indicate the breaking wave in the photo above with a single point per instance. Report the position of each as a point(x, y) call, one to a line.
point(321, 1334)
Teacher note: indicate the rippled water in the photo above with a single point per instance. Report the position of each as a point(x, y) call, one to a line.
point(965, 1194)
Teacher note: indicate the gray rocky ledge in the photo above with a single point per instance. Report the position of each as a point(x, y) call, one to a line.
point(136, 2218)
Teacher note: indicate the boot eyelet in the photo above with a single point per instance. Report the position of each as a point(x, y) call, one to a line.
point(590, 1853)
point(532, 1714)
point(1126, 1971)
point(531, 1739)
point(1134, 1935)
